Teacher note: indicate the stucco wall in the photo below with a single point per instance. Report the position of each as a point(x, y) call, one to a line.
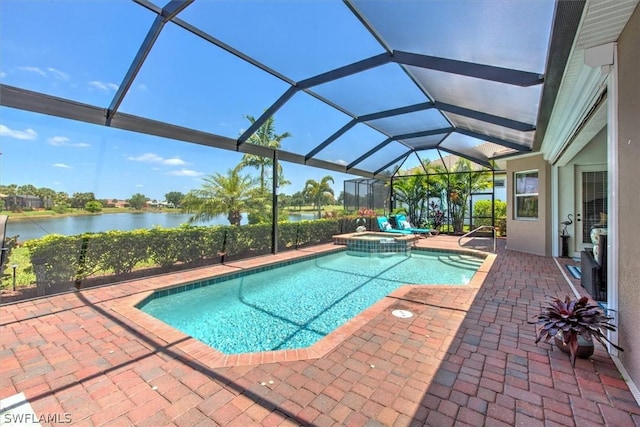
point(594, 153)
point(629, 195)
point(531, 236)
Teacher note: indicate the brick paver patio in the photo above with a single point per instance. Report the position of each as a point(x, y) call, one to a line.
point(467, 358)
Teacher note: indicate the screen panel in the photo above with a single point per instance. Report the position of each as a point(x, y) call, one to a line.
point(351, 145)
point(298, 39)
point(378, 89)
point(309, 121)
point(39, 36)
point(500, 99)
point(507, 134)
point(411, 122)
point(518, 32)
point(385, 155)
point(424, 142)
point(201, 87)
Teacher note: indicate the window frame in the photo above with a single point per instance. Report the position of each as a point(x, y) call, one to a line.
point(517, 195)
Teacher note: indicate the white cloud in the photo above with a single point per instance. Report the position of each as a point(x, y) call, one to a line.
point(146, 157)
point(3, 74)
point(103, 85)
point(185, 172)
point(58, 74)
point(139, 185)
point(174, 162)
point(341, 162)
point(59, 141)
point(33, 70)
point(29, 134)
point(154, 158)
point(61, 165)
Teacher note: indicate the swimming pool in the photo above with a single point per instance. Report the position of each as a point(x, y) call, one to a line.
point(295, 305)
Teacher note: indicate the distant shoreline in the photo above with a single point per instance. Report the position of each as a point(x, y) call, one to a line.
point(25, 216)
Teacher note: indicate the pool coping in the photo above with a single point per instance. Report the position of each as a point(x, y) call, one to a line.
point(126, 306)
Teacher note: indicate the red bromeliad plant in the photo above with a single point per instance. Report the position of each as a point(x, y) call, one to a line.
point(573, 318)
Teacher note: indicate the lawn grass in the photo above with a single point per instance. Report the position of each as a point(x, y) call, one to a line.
point(311, 208)
point(25, 275)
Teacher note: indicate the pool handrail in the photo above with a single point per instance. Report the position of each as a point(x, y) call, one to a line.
point(477, 229)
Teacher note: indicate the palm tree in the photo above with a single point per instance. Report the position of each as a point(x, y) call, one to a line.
point(219, 195)
point(265, 136)
point(411, 192)
point(317, 191)
point(463, 181)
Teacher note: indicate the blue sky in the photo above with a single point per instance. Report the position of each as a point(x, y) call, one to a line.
point(81, 50)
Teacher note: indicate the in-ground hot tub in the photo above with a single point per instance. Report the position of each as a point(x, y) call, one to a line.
point(373, 243)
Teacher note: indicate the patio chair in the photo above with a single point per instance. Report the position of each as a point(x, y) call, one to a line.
point(385, 226)
point(404, 224)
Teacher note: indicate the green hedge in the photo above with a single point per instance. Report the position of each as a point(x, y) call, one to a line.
point(74, 258)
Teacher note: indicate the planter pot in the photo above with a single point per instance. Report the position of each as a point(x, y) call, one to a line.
point(585, 347)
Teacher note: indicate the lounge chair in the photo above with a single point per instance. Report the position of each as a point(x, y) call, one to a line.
point(385, 226)
point(405, 225)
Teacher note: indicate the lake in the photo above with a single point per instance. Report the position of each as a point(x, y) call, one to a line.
point(33, 228)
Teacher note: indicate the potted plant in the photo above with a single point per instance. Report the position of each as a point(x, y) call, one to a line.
point(574, 324)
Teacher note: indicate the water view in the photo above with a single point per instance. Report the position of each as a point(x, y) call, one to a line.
point(33, 228)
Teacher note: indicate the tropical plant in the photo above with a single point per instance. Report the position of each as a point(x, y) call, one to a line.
point(573, 318)
point(436, 215)
point(78, 200)
point(61, 198)
point(463, 180)
point(317, 191)
point(221, 195)
point(411, 193)
point(265, 136)
point(364, 218)
point(137, 201)
point(298, 199)
point(27, 190)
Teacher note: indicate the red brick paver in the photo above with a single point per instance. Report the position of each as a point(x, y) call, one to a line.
point(467, 357)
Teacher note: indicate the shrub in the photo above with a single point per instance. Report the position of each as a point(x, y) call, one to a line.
point(74, 258)
point(482, 212)
point(60, 209)
point(93, 206)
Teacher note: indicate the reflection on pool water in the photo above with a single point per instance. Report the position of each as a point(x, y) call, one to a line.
point(295, 305)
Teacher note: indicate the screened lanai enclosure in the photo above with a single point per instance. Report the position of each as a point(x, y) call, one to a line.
point(448, 195)
point(113, 98)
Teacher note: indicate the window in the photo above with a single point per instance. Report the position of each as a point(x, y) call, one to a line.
point(526, 195)
point(498, 183)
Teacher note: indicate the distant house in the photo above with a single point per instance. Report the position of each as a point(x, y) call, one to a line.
point(19, 202)
point(117, 203)
point(156, 204)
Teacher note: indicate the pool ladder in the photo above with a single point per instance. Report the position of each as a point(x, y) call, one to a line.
point(491, 227)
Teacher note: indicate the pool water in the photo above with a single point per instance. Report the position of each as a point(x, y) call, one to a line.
point(295, 305)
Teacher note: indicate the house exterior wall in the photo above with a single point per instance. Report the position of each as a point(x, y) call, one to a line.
point(594, 153)
point(531, 236)
point(628, 145)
